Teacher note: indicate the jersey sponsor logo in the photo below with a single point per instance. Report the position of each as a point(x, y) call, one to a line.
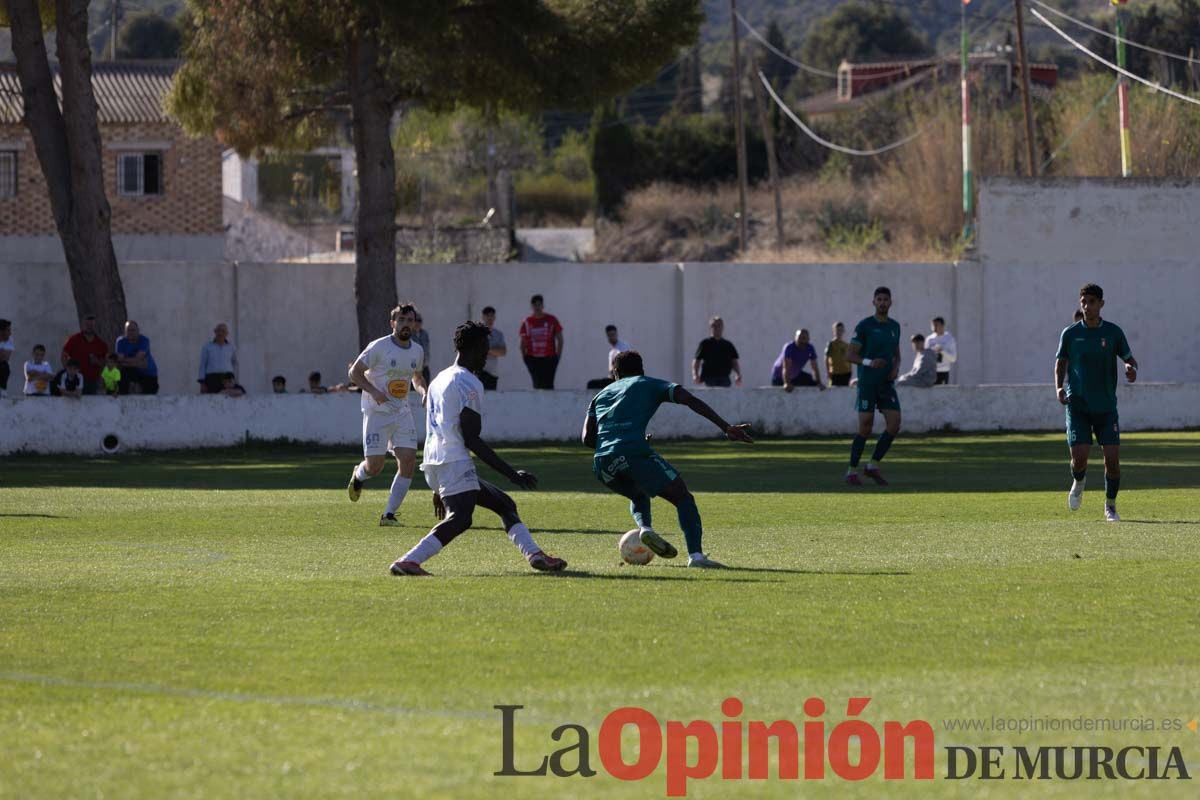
point(398, 389)
point(1103, 342)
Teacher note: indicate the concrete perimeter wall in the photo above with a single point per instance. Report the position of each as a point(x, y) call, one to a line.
point(63, 425)
point(1040, 240)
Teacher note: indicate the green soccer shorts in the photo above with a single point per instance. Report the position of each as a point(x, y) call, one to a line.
point(871, 396)
point(630, 475)
point(1081, 425)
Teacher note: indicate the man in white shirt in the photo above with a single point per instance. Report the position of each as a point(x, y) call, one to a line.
point(944, 347)
point(453, 423)
point(38, 373)
point(384, 371)
point(615, 347)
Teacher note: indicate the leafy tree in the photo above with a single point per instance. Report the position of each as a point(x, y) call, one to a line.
point(613, 160)
point(777, 70)
point(859, 32)
point(689, 95)
point(66, 139)
point(267, 73)
point(147, 36)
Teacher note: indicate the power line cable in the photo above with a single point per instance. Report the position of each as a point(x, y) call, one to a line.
point(1112, 36)
point(1156, 87)
point(825, 142)
point(797, 64)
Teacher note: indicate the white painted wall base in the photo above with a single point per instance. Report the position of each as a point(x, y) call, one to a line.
point(63, 425)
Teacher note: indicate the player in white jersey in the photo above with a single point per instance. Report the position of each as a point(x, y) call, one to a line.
point(453, 422)
point(385, 371)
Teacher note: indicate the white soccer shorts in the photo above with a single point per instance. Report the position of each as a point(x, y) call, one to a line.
point(455, 477)
point(384, 432)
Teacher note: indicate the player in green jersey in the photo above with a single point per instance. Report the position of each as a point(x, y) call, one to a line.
point(1085, 375)
point(876, 349)
point(616, 428)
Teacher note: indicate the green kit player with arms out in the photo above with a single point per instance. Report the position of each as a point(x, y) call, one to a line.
point(616, 427)
point(876, 349)
point(1085, 375)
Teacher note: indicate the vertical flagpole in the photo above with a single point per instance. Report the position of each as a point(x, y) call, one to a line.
point(968, 232)
point(740, 136)
point(1123, 95)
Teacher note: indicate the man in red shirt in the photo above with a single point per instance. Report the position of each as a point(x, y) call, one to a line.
point(541, 344)
point(90, 351)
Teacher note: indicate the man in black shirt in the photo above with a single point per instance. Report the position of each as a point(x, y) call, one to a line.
point(716, 358)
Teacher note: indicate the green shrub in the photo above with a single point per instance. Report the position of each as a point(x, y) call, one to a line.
point(553, 196)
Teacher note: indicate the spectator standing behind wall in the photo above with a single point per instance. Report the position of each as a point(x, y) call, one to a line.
point(421, 337)
point(788, 370)
point(38, 373)
point(615, 348)
point(497, 349)
point(944, 347)
point(89, 351)
point(217, 358)
point(6, 351)
point(541, 344)
point(139, 373)
point(836, 349)
point(924, 369)
point(716, 358)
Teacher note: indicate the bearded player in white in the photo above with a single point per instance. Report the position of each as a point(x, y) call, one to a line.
point(385, 371)
point(453, 423)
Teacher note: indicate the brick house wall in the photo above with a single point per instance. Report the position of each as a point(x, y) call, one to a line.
point(131, 121)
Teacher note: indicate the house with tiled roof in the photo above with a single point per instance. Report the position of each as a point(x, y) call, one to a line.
point(164, 187)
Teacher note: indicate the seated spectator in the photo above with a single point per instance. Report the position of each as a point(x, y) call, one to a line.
point(314, 384)
point(716, 358)
point(38, 373)
point(615, 348)
point(924, 369)
point(837, 367)
point(279, 384)
point(139, 373)
point(217, 358)
point(6, 351)
point(88, 351)
point(230, 387)
point(70, 381)
point(789, 368)
point(110, 376)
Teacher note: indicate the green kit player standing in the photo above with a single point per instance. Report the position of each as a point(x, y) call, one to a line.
point(876, 349)
point(616, 428)
point(1085, 375)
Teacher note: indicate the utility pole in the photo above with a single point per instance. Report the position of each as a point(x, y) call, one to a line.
point(739, 129)
point(968, 190)
point(1029, 148)
point(1123, 94)
point(114, 27)
point(772, 163)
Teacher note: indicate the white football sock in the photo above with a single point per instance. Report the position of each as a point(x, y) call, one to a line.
point(399, 489)
point(360, 472)
point(426, 549)
point(523, 539)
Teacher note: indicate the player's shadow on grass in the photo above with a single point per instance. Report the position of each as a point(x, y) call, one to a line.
point(590, 531)
point(40, 516)
point(632, 575)
point(864, 573)
point(1162, 521)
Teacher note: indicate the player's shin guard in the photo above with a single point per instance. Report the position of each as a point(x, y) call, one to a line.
point(523, 539)
point(689, 523)
point(881, 446)
point(856, 450)
point(1111, 487)
point(400, 486)
point(640, 509)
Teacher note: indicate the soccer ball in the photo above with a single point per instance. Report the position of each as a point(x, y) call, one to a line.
point(632, 549)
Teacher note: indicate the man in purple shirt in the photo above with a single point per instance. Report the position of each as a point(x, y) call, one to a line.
point(789, 369)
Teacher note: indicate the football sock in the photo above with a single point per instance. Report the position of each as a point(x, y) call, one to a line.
point(881, 446)
point(695, 556)
point(400, 486)
point(689, 522)
point(1111, 487)
point(856, 450)
point(640, 508)
point(523, 539)
point(360, 472)
point(1079, 475)
point(426, 549)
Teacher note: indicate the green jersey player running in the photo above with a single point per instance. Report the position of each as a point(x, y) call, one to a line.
point(876, 349)
point(1085, 375)
point(616, 428)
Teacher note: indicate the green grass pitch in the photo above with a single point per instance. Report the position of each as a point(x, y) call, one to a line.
point(222, 624)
